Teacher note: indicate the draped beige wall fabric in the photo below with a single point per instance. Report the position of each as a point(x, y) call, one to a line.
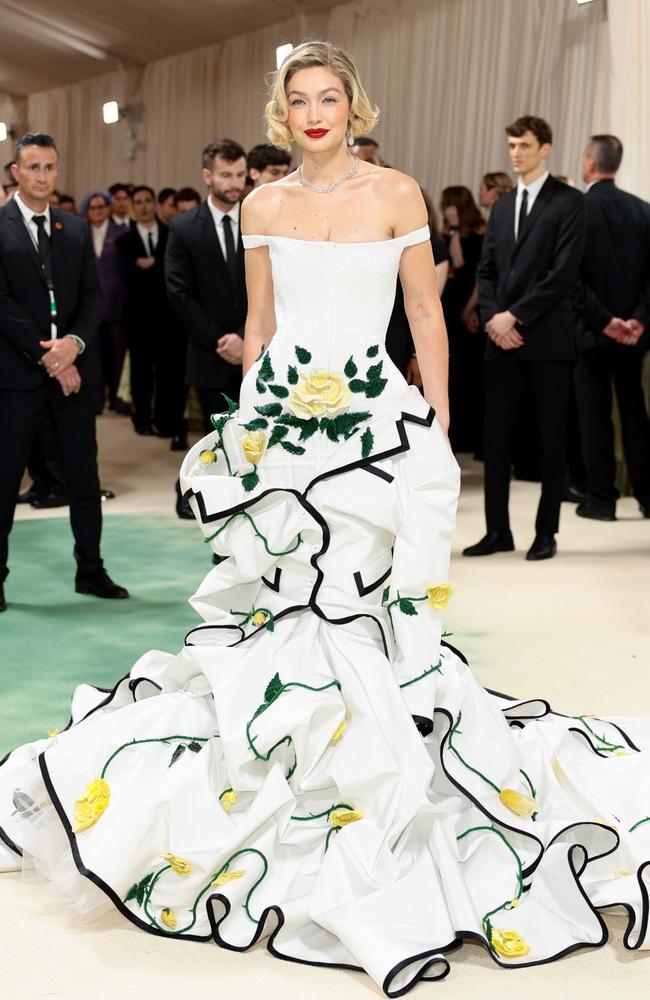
point(448, 75)
point(629, 31)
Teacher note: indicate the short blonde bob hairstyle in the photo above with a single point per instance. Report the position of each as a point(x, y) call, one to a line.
point(363, 115)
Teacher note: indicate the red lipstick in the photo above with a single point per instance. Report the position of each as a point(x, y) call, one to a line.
point(316, 133)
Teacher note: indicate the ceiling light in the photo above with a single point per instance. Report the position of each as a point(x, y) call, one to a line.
point(111, 113)
point(282, 52)
point(3, 131)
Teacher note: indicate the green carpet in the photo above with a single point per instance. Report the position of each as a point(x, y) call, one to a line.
point(51, 639)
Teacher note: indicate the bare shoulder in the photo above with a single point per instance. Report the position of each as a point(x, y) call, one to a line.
point(260, 207)
point(403, 192)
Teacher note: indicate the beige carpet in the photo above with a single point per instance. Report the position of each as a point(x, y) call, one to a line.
point(575, 630)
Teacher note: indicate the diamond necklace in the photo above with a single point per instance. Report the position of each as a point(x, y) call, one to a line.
point(330, 187)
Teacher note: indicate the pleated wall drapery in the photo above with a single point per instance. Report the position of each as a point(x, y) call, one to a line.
point(447, 75)
point(629, 24)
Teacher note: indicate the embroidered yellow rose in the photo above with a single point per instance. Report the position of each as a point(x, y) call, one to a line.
point(338, 733)
point(227, 877)
point(253, 444)
point(521, 805)
point(228, 800)
point(509, 944)
point(207, 457)
point(259, 618)
point(179, 865)
point(168, 918)
point(342, 817)
point(320, 394)
point(89, 807)
point(439, 596)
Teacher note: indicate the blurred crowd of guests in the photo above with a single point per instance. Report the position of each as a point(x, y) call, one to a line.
point(545, 293)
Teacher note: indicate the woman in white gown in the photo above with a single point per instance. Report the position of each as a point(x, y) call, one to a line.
point(317, 767)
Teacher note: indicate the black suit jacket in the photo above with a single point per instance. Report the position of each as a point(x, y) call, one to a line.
point(24, 299)
point(146, 306)
point(616, 264)
point(535, 278)
point(207, 301)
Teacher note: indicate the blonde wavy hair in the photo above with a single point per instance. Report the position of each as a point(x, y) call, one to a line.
point(363, 115)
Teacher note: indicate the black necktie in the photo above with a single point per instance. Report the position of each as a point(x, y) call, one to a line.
point(231, 256)
point(44, 247)
point(523, 212)
point(152, 249)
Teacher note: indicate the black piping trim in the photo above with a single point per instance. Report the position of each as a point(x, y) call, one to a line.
point(585, 737)
point(435, 959)
point(522, 704)
point(364, 590)
point(10, 843)
point(380, 473)
point(274, 584)
point(135, 683)
point(458, 653)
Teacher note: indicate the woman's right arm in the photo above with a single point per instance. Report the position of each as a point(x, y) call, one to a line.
point(260, 317)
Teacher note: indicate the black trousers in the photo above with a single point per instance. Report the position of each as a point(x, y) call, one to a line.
point(74, 420)
point(143, 355)
point(171, 390)
point(212, 400)
point(505, 378)
point(594, 374)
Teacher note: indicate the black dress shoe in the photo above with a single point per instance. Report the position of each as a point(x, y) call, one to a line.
point(106, 495)
point(494, 541)
point(573, 494)
point(178, 443)
point(28, 496)
point(543, 547)
point(99, 584)
point(145, 430)
point(3, 603)
point(645, 509)
point(597, 509)
point(50, 500)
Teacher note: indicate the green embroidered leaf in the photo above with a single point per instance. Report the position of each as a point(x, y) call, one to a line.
point(304, 357)
point(256, 425)
point(375, 388)
point(332, 431)
point(178, 753)
point(291, 420)
point(231, 405)
point(280, 391)
point(269, 409)
point(194, 746)
point(350, 368)
point(407, 607)
point(292, 375)
point(357, 385)
point(277, 434)
point(367, 441)
point(266, 372)
point(261, 388)
point(374, 372)
point(309, 428)
point(293, 449)
point(141, 888)
point(373, 351)
point(324, 423)
point(385, 595)
point(250, 481)
point(262, 349)
point(345, 424)
point(132, 893)
point(274, 688)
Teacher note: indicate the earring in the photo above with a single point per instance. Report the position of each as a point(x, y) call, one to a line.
point(350, 138)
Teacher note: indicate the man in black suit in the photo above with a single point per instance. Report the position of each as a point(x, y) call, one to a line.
point(156, 344)
point(616, 285)
point(50, 308)
point(205, 279)
point(527, 279)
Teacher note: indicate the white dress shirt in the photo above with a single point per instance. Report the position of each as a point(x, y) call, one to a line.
point(217, 215)
point(533, 190)
point(144, 235)
point(121, 221)
point(99, 237)
point(28, 214)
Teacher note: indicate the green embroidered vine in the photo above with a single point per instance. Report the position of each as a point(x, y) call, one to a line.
point(639, 823)
point(603, 743)
point(509, 903)
point(142, 891)
point(426, 673)
point(520, 804)
point(260, 618)
point(193, 744)
point(274, 690)
point(243, 513)
point(219, 421)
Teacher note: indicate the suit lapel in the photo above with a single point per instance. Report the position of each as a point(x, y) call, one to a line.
point(539, 205)
point(213, 241)
point(25, 239)
point(509, 217)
